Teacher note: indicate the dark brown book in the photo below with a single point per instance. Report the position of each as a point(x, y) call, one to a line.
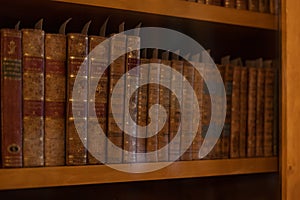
point(243, 111)
point(131, 86)
point(269, 109)
point(33, 96)
point(117, 69)
point(97, 96)
point(263, 6)
point(214, 2)
point(253, 5)
point(76, 135)
point(55, 97)
point(142, 107)
point(164, 100)
point(241, 4)
point(251, 120)
point(229, 3)
point(273, 6)
point(260, 92)
point(11, 97)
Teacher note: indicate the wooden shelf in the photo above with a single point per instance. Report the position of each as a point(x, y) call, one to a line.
point(189, 10)
point(95, 174)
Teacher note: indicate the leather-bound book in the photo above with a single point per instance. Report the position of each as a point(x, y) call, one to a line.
point(164, 100)
point(131, 83)
point(33, 95)
point(175, 114)
point(55, 97)
point(98, 61)
point(142, 107)
point(117, 69)
point(251, 120)
point(11, 97)
point(214, 2)
point(253, 5)
point(76, 136)
point(241, 4)
point(229, 3)
point(263, 6)
point(243, 111)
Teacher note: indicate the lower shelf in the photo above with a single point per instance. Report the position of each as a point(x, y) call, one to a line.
point(95, 174)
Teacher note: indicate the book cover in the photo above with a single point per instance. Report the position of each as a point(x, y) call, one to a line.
point(33, 95)
point(11, 97)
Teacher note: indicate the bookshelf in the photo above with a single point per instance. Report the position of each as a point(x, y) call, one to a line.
point(254, 26)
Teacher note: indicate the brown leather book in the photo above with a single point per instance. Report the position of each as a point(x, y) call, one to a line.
point(243, 111)
point(142, 107)
point(263, 6)
point(241, 4)
point(77, 51)
point(214, 2)
point(273, 6)
point(33, 96)
point(175, 113)
point(55, 97)
point(11, 97)
point(117, 69)
point(253, 5)
point(260, 92)
point(229, 3)
point(153, 98)
point(164, 100)
point(269, 108)
point(131, 82)
point(98, 61)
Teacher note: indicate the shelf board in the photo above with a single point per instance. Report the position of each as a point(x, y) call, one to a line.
point(96, 174)
point(189, 10)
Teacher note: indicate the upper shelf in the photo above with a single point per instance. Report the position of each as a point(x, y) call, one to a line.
point(189, 10)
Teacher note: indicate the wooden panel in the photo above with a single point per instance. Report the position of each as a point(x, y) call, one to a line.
point(290, 162)
point(190, 10)
point(62, 176)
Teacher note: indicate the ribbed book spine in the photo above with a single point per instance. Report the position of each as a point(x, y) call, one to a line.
point(259, 127)
point(11, 98)
point(117, 69)
point(98, 61)
point(33, 97)
point(131, 86)
point(243, 111)
point(77, 49)
point(55, 99)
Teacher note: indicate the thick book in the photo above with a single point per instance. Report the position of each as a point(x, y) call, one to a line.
point(11, 97)
point(153, 98)
point(55, 97)
point(175, 103)
point(33, 95)
point(97, 96)
point(131, 87)
point(243, 111)
point(117, 70)
point(76, 136)
point(142, 112)
point(241, 4)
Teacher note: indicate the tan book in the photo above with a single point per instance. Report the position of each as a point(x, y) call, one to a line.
point(33, 95)
point(77, 51)
point(55, 97)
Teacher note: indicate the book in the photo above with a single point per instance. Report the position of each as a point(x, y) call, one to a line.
point(153, 98)
point(76, 136)
point(175, 111)
point(11, 97)
point(117, 69)
point(263, 6)
point(33, 95)
point(229, 3)
point(251, 119)
point(274, 7)
point(164, 101)
point(241, 4)
point(213, 2)
point(253, 5)
point(55, 96)
point(131, 87)
point(97, 96)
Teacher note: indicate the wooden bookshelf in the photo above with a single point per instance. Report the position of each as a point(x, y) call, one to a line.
point(96, 174)
point(189, 10)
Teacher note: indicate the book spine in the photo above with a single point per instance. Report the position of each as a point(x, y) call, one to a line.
point(76, 153)
point(253, 5)
point(98, 61)
point(153, 98)
point(33, 97)
point(241, 4)
point(229, 3)
point(55, 99)
point(164, 100)
point(243, 111)
point(131, 87)
point(235, 113)
point(187, 105)
point(117, 69)
point(175, 113)
point(263, 6)
point(142, 110)
point(11, 98)
point(259, 126)
point(251, 121)
point(269, 111)
point(273, 6)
